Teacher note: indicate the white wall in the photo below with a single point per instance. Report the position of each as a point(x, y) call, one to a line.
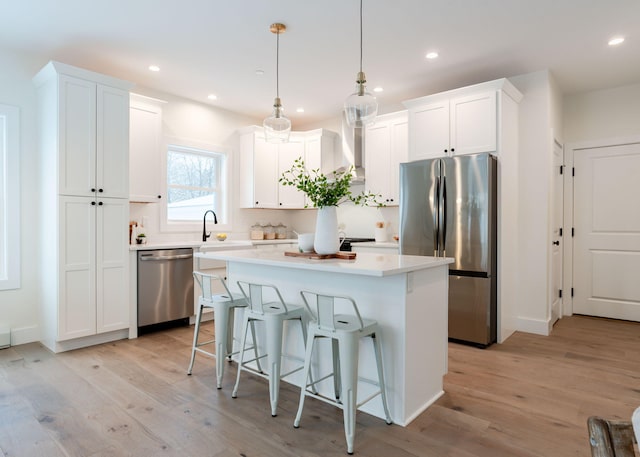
point(538, 111)
point(18, 307)
point(602, 114)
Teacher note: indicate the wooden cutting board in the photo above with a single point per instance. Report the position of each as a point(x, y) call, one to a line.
point(313, 255)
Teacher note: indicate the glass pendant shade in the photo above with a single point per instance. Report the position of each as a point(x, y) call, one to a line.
point(277, 127)
point(361, 108)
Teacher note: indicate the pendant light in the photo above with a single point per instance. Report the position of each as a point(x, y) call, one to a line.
point(360, 107)
point(277, 127)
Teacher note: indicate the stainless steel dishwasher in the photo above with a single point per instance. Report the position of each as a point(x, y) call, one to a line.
point(165, 288)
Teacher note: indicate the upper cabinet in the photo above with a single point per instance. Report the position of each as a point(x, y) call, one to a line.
point(386, 147)
point(262, 164)
point(91, 137)
point(145, 149)
point(456, 122)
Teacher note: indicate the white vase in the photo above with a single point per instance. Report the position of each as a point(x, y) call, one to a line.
point(327, 239)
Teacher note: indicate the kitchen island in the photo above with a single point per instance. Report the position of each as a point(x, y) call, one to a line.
point(407, 295)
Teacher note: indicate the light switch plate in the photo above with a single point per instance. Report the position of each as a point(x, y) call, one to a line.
point(5, 336)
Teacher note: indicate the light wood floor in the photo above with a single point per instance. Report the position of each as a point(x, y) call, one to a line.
point(528, 397)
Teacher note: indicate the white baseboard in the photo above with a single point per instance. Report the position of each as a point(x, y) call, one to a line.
point(24, 335)
point(536, 326)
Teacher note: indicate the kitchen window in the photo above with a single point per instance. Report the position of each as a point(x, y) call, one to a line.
point(9, 198)
point(196, 182)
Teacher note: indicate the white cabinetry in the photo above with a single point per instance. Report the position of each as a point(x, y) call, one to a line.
point(145, 149)
point(262, 165)
point(386, 147)
point(456, 122)
point(84, 135)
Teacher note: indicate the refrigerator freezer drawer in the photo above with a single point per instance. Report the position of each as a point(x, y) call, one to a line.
point(472, 309)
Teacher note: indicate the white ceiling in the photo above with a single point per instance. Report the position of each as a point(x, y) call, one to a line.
point(215, 46)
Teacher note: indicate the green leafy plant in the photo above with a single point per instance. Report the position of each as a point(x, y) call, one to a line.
point(325, 190)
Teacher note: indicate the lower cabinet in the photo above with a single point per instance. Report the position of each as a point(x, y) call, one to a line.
point(90, 262)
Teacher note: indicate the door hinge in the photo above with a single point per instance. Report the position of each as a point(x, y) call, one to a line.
point(572, 291)
point(559, 293)
point(560, 231)
point(561, 167)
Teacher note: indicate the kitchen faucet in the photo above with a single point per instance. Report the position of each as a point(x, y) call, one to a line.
point(206, 235)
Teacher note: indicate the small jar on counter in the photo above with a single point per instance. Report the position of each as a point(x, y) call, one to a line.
point(257, 232)
point(281, 231)
point(269, 232)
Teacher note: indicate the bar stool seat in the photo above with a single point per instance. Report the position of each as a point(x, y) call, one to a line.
point(273, 313)
point(345, 332)
point(223, 306)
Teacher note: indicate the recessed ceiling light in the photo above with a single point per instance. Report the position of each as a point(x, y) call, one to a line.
point(300, 110)
point(259, 72)
point(154, 68)
point(378, 89)
point(616, 41)
point(432, 55)
point(212, 97)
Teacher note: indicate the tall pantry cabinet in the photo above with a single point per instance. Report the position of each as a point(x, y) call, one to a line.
point(83, 125)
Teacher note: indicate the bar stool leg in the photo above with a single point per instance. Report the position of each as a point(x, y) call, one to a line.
point(335, 348)
point(274, 358)
point(196, 331)
point(378, 351)
point(221, 319)
point(243, 342)
point(307, 370)
point(349, 345)
point(255, 345)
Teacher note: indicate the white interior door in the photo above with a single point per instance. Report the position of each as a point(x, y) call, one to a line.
point(557, 208)
point(607, 231)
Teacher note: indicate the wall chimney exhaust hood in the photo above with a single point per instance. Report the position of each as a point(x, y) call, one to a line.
point(353, 150)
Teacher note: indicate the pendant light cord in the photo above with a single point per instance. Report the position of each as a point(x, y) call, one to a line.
point(278, 63)
point(360, 35)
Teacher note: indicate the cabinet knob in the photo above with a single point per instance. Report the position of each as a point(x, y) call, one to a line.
point(100, 203)
point(453, 149)
point(445, 150)
point(92, 189)
point(556, 243)
point(280, 204)
point(159, 196)
point(100, 190)
point(256, 203)
point(93, 203)
point(391, 200)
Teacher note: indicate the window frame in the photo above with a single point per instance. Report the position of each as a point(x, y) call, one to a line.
point(227, 166)
point(10, 265)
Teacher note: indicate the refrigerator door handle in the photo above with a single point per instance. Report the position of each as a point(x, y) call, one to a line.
point(436, 218)
point(443, 219)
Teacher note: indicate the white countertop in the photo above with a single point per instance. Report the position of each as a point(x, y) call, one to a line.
point(209, 245)
point(366, 264)
point(377, 244)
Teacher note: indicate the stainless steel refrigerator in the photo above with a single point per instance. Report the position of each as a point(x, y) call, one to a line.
point(448, 209)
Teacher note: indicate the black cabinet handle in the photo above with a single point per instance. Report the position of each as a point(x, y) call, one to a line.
point(391, 200)
point(92, 189)
point(556, 243)
point(452, 149)
point(100, 203)
point(93, 203)
point(280, 204)
point(159, 196)
point(100, 190)
point(256, 203)
point(445, 150)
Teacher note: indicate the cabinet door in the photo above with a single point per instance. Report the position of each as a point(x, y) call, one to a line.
point(77, 136)
point(429, 130)
point(77, 300)
point(112, 142)
point(473, 124)
point(376, 158)
point(399, 153)
point(265, 170)
point(112, 265)
point(145, 133)
point(312, 159)
point(289, 196)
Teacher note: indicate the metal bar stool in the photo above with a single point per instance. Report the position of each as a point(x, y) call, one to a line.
point(223, 306)
point(273, 314)
point(345, 332)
